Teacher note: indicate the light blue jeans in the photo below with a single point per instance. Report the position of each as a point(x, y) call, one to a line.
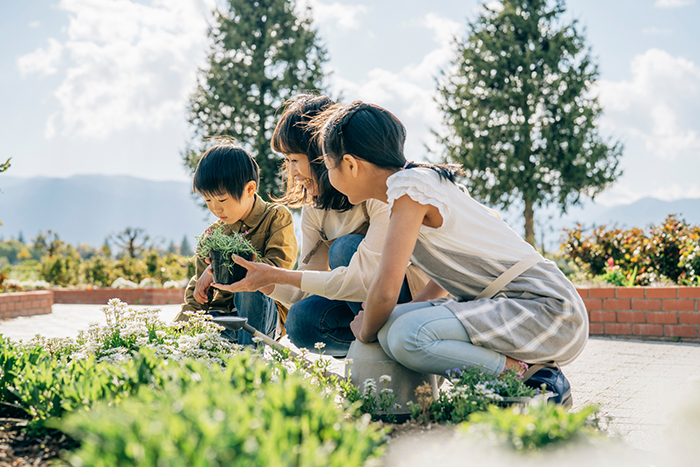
point(430, 339)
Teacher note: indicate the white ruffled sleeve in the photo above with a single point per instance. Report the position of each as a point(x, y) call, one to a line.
point(422, 185)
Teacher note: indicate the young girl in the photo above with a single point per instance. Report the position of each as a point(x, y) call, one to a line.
point(531, 313)
point(341, 244)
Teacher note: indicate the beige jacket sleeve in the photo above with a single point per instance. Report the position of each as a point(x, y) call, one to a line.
point(310, 228)
point(351, 283)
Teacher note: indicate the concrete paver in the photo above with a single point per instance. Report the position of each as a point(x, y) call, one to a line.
point(640, 385)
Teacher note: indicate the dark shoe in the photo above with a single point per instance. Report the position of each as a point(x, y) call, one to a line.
point(554, 381)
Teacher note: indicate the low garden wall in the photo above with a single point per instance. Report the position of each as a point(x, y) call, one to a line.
point(663, 313)
point(17, 304)
point(131, 296)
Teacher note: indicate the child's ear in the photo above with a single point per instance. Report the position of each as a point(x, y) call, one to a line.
point(250, 188)
point(352, 163)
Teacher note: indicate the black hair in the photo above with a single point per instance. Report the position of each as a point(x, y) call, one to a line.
point(293, 136)
point(370, 133)
point(225, 169)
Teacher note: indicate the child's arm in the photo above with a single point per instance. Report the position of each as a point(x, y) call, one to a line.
point(406, 219)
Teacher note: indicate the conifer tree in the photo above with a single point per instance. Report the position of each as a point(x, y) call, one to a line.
point(519, 114)
point(262, 53)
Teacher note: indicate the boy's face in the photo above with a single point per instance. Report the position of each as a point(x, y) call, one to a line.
point(229, 209)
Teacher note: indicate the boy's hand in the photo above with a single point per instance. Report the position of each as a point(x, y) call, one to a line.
point(201, 289)
point(259, 277)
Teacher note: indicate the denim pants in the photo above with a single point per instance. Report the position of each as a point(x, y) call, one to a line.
point(319, 319)
point(261, 312)
point(430, 339)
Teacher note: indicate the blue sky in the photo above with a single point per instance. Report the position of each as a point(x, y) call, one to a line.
point(98, 86)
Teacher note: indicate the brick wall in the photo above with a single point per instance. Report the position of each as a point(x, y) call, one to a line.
point(17, 304)
point(131, 296)
point(663, 313)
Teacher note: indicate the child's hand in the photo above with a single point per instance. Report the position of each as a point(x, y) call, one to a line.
point(201, 289)
point(356, 325)
point(259, 277)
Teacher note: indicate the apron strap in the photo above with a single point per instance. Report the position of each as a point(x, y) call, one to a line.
point(510, 274)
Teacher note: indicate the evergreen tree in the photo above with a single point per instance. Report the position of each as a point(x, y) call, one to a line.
point(20, 237)
point(519, 112)
point(262, 53)
point(185, 248)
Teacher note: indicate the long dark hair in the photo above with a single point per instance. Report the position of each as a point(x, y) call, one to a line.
point(370, 133)
point(293, 136)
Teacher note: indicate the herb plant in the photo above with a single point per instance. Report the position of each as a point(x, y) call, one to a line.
point(215, 238)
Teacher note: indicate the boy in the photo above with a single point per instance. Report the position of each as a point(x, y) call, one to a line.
point(227, 178)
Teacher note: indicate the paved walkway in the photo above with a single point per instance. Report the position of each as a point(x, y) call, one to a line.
point(641, 385)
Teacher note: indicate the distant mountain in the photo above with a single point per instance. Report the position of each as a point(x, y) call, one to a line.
point(89, 208)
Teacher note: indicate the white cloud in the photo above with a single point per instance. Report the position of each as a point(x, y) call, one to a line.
point(130, 64)
point(409, 92)
point(34, 24)
point(43, 61)
point(673, 3)
point(346, 17)
point(658, 105)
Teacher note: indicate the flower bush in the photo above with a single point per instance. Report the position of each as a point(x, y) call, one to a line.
point(471, 390)
point(638, 256)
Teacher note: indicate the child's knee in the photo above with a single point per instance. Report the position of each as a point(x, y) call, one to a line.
point(342, 250)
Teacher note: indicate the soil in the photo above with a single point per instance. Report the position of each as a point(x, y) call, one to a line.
point(24, 448)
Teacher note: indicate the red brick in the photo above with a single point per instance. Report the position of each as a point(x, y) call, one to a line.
point(593, 303)
point(631, 317)
point(688, 292)
point(608, 292)
point(648, 330)
point(619, 329)
point(629, 292)
point(681, 331)
point(679, 305)
point(662, 292)
point(606, 316)
point(616, 304)
point(647, 305)
point(662, 318)
point(583, 292)
point(596, 328)
point(689, 318)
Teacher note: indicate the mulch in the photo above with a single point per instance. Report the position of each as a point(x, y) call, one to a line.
point(20, 447)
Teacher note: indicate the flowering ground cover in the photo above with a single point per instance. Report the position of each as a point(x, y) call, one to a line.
point(140, 391)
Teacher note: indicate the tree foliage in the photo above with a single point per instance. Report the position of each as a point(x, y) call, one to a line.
point(262, 53)
point(132, 241)
point(519, 114)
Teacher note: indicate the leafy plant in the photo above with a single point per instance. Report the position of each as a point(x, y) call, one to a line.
point(472, 390)
point(215, 238)
point(535, 427)
point(250, 413)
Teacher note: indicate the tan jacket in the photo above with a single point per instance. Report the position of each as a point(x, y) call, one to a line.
point(271, 231)
point(349, 283)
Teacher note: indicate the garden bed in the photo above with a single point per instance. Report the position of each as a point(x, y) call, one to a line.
point(15, 304)
point(100, 296)
point(655, 313)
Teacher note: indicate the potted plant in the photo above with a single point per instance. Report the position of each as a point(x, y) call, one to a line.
point(218, 246)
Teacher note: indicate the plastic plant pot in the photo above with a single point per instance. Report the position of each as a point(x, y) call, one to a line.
point(225, 270)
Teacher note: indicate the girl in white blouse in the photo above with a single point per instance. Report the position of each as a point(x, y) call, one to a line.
point(509, 307)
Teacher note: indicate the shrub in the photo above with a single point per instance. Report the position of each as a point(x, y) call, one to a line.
point(472, 390)
point(637, 256)
point(238, 416)
point(536, 426)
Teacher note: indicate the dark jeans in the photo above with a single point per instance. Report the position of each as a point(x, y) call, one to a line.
point(319, 319)
point(260, 310)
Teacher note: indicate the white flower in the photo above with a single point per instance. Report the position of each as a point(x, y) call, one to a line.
point(385, 379)
point(369, 386)
point(319, 345)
